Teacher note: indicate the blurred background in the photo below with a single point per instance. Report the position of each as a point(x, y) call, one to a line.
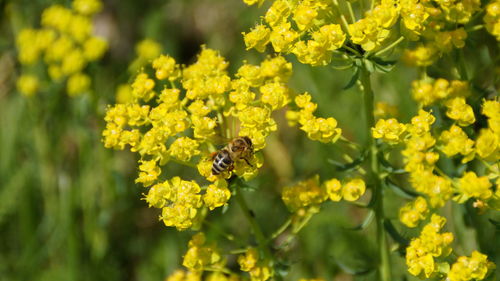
point(69, 208)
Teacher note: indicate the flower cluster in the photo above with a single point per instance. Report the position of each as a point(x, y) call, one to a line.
point(317, 128)
point(413, 212)
point(492, 18)
point(372, 30)
point(423, 251)
point(475, 267)
point(304, 28)
point(66, 45)
point(428, 92)
point(176, 113)
point(423, 147)
point(201, 256)
point(310, 193)
point(145, 51)
point(426, 255)
point(314, 30)
point(250, 262)
point(390, 130)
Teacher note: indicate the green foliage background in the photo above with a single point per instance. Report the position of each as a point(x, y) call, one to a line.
point(69, 209)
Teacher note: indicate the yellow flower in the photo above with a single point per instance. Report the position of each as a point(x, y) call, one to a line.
point(261, 273)
point(470, 185)
point(421, 56)
point(384, 109)
point(368, 33)
point(184, 148)
point(159, 194)
point(94, 48)
point(304, 194)
point(431, 244)
point(304, 14)
point(488, 144)
point(475, 267)
point(274, 94)
point(460, 111)
point(148, 49)
point(330, 37)
point(123, 93)
point(149, 172)
point(390, 130)
point(438, 189)
point(73, 62)
point(142, 87)
point(492, 18)
point(56, 16)
point(333, 189)
point(321, 129)
point(277, 13)
point(183, 207)
point(166, 68)
point(249, 260)
point(87, 7)
point(282, 37)
point(455, 141)
point(28, 85)
point(80, 27)
point(413, 212)
point(251, 74)
point(257, 38)
point(414, 16)
point(276, 68)
point(353, 189)
point(200, 256)
point(253, 2)
point(77, 84)
point(217, 195)
point(459, 12)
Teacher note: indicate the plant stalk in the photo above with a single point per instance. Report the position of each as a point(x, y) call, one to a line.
point(257, 231)
point(384, 269)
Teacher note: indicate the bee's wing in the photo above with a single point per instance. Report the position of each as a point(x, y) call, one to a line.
point(219, 140)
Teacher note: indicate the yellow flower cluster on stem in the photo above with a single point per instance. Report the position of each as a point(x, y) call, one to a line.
point(176, 113)
point(66, 45)
point(424, 251)
point(311, 193)
point(317, 128)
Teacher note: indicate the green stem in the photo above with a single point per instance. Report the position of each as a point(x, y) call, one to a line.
point(342, 17)
point(475, 28)
point(352, 50)
point(462, 68)
point(393, 44)
point(282, 228)
point(351, 12)
point(257, 231)
point(374, 172)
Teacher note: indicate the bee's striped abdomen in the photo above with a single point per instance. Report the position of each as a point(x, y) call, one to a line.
point(221, 162)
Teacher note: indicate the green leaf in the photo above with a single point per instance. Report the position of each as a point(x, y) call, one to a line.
point(366, 222)
point(382, 62)
point(369, 65)
point(225, 207)
point(495, 223)
point(341, 167)
point(408, 194)
point(383, 69)
point(393, 232)
point(353, 79)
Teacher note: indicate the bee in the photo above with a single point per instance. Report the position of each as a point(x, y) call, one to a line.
point(238, 148)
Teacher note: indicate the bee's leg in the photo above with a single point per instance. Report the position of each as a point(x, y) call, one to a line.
point(230, 168)
point(246, 160)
